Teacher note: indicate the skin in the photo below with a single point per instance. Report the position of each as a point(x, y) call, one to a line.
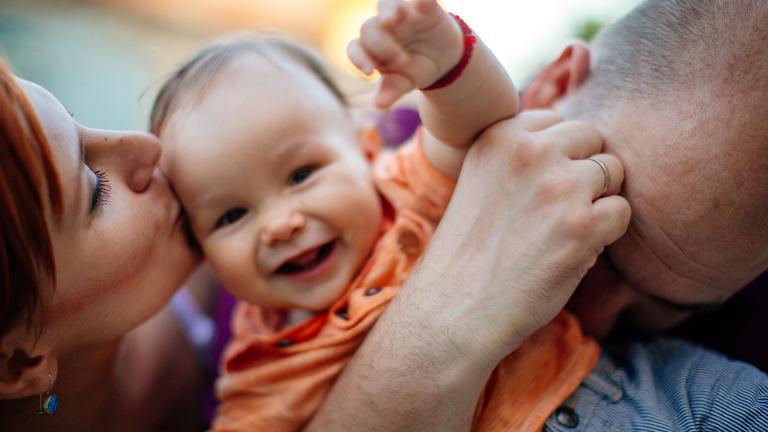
point(89, 348)
point(270, 173)
point(670, 264)
point(264, 188)
point(548, 178)
point(413, 44)
point(688, 249)
point(427, 374)
point(132, 246)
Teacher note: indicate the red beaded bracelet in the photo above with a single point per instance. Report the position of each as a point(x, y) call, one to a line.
point(452, 75)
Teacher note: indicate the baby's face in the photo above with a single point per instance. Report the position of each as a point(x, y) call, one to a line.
point(278, 193)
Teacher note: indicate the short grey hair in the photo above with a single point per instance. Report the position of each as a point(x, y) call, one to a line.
point(668, 47)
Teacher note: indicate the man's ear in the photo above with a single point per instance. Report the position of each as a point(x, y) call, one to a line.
point(25, 366)
point(559, 78)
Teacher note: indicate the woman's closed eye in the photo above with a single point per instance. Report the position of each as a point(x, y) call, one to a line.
point(301, 175)
point(101, 190)
point(230, 216)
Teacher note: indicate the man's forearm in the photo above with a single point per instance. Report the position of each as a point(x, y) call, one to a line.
point(406, 376)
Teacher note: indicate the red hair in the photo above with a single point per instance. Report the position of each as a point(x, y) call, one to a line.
point(29, 191)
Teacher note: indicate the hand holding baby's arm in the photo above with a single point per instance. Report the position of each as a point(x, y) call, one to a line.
point(411, 43)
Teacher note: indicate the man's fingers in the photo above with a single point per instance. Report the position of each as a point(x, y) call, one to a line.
point(602, 174)
point(536, 120)
point(613, 214)
point(577, 140)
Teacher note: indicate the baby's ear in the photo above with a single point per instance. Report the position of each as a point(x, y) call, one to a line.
point(370, 142)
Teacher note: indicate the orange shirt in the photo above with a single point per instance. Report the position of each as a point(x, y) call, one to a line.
point(275, 379)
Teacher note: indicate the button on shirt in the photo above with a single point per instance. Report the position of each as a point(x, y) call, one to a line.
point(666, 385)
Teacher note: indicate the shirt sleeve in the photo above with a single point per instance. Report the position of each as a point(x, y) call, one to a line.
point(409, 181)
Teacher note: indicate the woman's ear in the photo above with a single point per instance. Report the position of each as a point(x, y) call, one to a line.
point(559, 78)
point(25, 366)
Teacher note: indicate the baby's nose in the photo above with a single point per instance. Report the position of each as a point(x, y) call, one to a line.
point(282, 228)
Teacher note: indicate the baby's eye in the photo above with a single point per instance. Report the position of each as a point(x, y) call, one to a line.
point(230, 216)
point(301, 174)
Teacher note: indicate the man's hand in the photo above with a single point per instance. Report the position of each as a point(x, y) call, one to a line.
point(411, 43)
point(528, 218)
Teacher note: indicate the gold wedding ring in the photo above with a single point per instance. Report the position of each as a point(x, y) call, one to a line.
point(606, 174)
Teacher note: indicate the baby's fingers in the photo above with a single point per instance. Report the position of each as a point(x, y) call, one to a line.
point(390, 11)
point(393, 12)
point(426, 7)
point(391, 88)
point(380, 45)
point(360, 58)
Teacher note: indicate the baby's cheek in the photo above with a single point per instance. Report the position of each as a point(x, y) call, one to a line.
point(232, 263)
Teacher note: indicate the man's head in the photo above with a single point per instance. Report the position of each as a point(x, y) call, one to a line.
point(679, 90)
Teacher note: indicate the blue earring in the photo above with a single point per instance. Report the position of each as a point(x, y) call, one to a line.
point(50, 403)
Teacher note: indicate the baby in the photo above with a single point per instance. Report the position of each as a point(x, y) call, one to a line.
point(314, 229)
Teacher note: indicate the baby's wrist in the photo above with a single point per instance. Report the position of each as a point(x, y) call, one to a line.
point(468, 41)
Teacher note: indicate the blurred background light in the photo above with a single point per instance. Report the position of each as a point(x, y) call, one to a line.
point(104, 58)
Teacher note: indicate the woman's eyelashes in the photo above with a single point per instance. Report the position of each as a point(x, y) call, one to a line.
point(101, 190)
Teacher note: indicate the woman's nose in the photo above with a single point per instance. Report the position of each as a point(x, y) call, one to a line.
point(282, 226)
point(131, 156)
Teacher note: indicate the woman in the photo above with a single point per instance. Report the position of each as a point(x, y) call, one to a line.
point(114, 254)
point(93, 246)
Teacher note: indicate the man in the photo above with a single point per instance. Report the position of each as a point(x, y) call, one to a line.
point(677, 89)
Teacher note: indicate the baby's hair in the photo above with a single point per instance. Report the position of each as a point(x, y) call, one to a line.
point(197, 72)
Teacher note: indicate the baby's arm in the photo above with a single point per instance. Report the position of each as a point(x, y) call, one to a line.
point(415, 43)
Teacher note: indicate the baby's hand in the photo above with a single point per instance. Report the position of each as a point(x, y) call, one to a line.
point(412, 43)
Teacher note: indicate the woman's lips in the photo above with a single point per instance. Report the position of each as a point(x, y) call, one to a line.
point(309, 263)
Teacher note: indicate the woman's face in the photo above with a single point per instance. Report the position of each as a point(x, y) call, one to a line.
point(119, 248)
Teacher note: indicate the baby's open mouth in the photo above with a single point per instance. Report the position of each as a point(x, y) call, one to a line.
point(307, 261)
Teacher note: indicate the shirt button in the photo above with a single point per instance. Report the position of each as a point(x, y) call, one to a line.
point(343, 313)
point(567, 417)
point(409, 242)
point(284, 343)
point(372, 291)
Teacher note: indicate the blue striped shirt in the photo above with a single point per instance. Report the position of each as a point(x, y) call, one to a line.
point(666, 385)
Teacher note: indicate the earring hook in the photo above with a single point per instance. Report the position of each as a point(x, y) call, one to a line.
point(51, 403)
